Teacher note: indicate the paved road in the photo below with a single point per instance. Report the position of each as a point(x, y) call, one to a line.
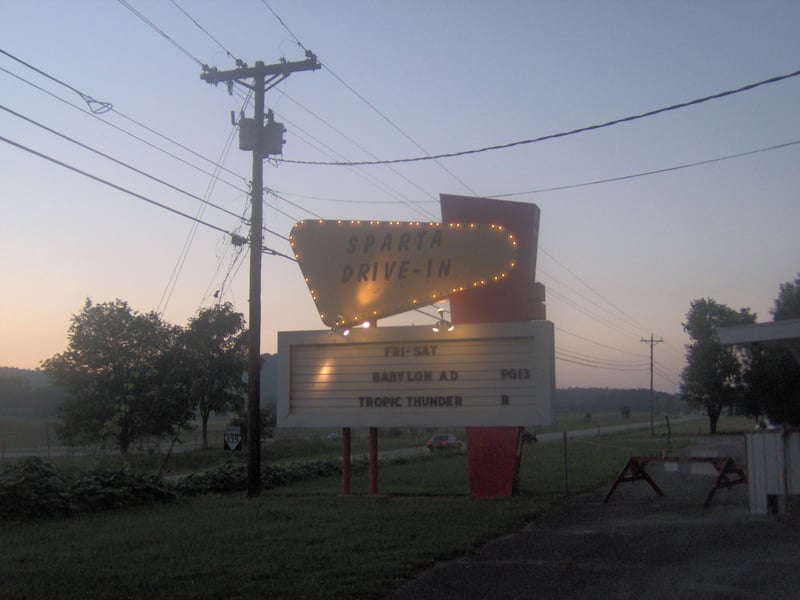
point(638, 545)
point(598, 431)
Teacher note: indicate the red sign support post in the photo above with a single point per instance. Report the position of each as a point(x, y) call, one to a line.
point(493, 453)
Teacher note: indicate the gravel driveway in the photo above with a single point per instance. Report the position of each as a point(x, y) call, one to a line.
point(638, 545)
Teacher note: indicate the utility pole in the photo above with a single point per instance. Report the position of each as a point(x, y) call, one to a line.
point(264, 77)
point(652, 343)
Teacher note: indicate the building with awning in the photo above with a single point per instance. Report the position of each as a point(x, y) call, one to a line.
point(773, 457)
point(783, 334)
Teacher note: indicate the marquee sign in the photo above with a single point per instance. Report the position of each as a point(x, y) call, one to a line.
point(477, 375)
point(359, 271)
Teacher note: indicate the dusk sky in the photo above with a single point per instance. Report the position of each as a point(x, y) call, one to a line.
point(620, 260)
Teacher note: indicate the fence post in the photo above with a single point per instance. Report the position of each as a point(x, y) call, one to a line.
point(566, 468)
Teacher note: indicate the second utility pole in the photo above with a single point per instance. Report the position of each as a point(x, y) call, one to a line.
point(652, 343)
point(258, 73)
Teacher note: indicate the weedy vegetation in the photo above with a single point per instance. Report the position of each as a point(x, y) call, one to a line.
point(124, 533)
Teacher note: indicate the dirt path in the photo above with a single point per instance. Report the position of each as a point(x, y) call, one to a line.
point(638, 545)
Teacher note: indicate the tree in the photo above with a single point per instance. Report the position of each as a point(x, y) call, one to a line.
point(712, 376)
point(114, 369)
point(787, 304)
point(772, 374)
point(213, 359)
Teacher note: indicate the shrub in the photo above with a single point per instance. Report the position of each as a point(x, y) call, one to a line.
point(33, 489)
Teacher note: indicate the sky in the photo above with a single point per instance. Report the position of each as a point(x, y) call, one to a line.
point(620, 260)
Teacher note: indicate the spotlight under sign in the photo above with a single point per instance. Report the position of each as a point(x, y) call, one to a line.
point(360, 271)
point(476, 375)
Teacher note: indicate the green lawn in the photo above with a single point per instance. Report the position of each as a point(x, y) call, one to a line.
point(300, 541)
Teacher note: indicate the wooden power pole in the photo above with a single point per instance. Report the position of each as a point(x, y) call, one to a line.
point(264, 142)
point(652, 343)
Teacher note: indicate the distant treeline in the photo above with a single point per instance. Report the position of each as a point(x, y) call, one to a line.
point(26, 392)
point(29, 393)
point(591, 400)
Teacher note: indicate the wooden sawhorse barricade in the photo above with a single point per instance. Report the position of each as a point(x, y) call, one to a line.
point(729, 473)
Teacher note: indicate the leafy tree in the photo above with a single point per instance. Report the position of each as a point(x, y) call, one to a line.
point(787, 304)
point(772, 374)
point(213, 355)
point(713, 374)
point(114, 369)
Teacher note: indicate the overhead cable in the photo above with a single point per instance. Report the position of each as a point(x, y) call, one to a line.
point(646, 173)
point(96, 106)
point(359, 146)
point(134, 136)
point(204, 30)
point(594, 366)
point(596, 343)
point(285, 26)
point(371, 106)
point(157, 29)
point(637, 364)
point(172, 282)
point(112, 185)
point(119, 162)
point(561, 134)
point(594, 291)
point(359, 172)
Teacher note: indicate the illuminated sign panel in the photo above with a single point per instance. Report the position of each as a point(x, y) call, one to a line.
point(359, 271)
point(477, 375)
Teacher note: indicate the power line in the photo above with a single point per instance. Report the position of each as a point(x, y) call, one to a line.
point(629, 364)
point(360, 172)
point(371, 106)
point(591, 289)
point(277, 195)
point(130, 134)
point(157, 29)
point(96, 106)
point(117, 161)
point(107, 107)
point(217, 165)
point(561, 134)
point(238, 61)
point(110, 184)
point(582, 309)
point(596, 366)
point(596, 343)
point(427, 156)
point(273, 252)
point(357, 145)
point(172, 282)
point(351, 201)
point(230, 274)
point(646, 173)
point(285, 26)
point(668, 377)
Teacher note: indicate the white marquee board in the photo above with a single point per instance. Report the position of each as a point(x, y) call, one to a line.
point(499, 374)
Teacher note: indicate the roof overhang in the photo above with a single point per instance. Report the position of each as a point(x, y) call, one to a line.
point(784, 334)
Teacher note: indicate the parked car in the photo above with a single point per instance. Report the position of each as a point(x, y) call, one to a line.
point(444, 441)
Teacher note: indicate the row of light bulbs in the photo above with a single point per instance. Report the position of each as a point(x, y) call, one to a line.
point(441, 324)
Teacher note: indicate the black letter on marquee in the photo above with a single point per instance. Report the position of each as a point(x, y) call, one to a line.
point(347, 273)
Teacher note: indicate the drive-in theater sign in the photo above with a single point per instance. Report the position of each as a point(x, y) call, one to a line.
point(496, 374)
point(359, 271)
point(489, 368)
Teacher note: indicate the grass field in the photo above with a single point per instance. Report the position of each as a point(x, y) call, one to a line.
point(304, 540)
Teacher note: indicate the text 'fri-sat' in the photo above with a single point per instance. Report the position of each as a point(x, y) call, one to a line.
point(409, 351)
